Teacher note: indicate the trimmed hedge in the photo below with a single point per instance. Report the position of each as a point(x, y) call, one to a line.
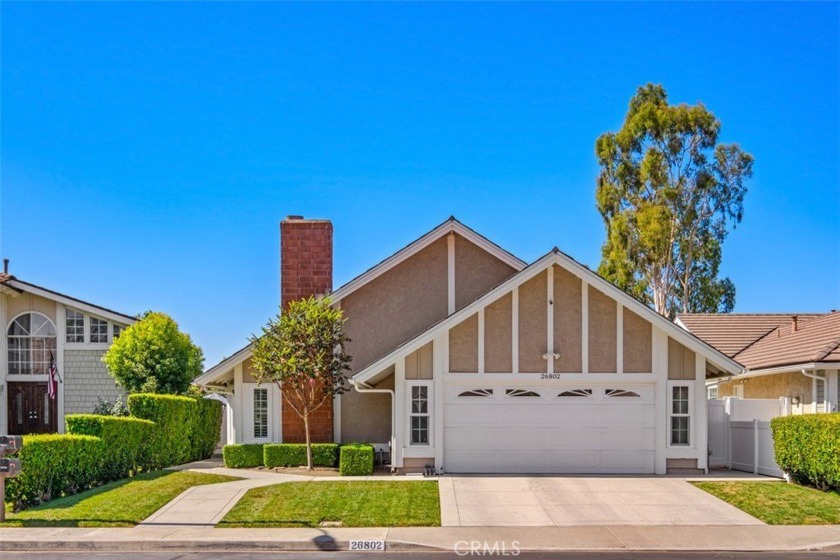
point(294, 455)
point(808, 448)
point(356, 459)
point(186, 428)
point(206, 428)
point(125, 440)
point(55, 465)
point(243, 455)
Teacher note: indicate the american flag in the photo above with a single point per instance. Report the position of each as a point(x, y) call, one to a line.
point(52, 378)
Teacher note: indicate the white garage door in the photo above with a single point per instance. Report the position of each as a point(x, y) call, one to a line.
point(574, 429)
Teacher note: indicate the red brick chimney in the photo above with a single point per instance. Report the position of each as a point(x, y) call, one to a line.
point(306, 248)
point(305, 258)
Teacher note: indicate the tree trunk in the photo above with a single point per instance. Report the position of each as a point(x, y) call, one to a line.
point(308, 441)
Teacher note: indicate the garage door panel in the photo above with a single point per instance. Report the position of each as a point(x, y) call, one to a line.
point(597, 434)
point(612, 415)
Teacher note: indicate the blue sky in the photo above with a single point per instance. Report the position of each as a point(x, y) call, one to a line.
point(149, 151)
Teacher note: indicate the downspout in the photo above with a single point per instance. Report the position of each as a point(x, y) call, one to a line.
point(365, 388)
point(825, 390)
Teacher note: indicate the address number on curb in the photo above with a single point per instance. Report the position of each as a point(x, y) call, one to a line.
point(367, 545)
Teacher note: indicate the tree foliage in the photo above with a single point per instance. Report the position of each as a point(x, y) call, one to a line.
point(302, 350)
point(668, 193)
point(154, 356)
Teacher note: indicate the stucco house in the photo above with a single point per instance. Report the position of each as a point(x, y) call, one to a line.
point(467, 359)
point(795, 356)
point(42, 325)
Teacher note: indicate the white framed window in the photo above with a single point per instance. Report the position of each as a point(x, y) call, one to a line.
point(260, 413)
point(419, 413)
point(98, 330)
point(31, 344)
point(117, 331)
point(679, 412)
point(712, 392)
point(75, 326)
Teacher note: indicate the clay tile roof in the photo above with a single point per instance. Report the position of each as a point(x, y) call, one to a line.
point(732, 333)
point(815, 340)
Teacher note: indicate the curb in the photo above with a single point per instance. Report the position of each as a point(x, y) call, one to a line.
point(316, 545)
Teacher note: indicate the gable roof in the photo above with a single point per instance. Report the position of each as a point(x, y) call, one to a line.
point(815, 340)
point(9, 282)
point(451, 225)
point(732, 333)
point(555, 256)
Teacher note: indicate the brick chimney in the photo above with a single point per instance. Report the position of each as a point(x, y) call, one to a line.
point(305, 258)
point(306, 248)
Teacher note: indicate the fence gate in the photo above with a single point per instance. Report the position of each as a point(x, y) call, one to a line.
point(739, 434)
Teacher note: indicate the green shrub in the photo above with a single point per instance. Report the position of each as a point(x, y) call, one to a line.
point(243, 456)
point(294, 455)
point(186, 428)
point(126, 441)
point(356, 459)
point(206, 428)
point(173, 416)
point(808, 448)
point(54, 465)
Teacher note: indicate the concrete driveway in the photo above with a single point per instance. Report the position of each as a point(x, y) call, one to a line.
point(504, 501)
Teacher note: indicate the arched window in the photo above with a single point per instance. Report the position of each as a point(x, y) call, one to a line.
point(31, 338)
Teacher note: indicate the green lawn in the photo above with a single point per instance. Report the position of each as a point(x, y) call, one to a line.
point(353, 503)
point(779, 503)
point(123, 503)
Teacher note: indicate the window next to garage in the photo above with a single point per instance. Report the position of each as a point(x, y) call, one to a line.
point(680, 412)
point(419, 413)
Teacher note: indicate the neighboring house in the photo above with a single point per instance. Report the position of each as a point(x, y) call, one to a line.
point(796, 356)
point(468, 359)
point(42, 325)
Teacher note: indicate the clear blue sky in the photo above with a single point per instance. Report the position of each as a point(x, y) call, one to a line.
point(149, 151)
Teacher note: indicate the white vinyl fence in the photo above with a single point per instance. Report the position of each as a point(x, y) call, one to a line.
point(739, 434)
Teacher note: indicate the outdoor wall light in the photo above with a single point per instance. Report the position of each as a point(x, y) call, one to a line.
point(794, 401)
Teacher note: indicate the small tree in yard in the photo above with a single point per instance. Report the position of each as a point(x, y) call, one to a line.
point(302, 350)
point(154, 356)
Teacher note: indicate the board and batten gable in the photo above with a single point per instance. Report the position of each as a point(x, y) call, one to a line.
point(554, 370)
point(400, 304)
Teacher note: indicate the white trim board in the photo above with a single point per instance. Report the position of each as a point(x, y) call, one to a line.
point(590, 278)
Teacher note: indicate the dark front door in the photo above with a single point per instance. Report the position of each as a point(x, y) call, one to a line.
point(31, 410)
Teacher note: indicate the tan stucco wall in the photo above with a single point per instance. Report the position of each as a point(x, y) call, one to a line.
point(498, 327)
point(533, 330)
point(397, 306)
point(367, 417)
point(792, 384)
point(476, 271)
point(568, 321)
point(416, 464)
point(418, 364)
point(681, 362)
point(248, 372)
point(602, 331)
point(463, 346)
point(638, 337)
point(29, 302)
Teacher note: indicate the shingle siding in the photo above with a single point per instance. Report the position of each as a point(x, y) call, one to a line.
point(86, 380)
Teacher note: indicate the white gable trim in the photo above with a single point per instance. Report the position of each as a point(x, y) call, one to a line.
point(209, 376)
point(589, 278)
point(450, 225)
point(90, 308)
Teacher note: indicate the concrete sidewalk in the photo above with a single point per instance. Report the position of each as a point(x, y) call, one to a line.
point(606, 538)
